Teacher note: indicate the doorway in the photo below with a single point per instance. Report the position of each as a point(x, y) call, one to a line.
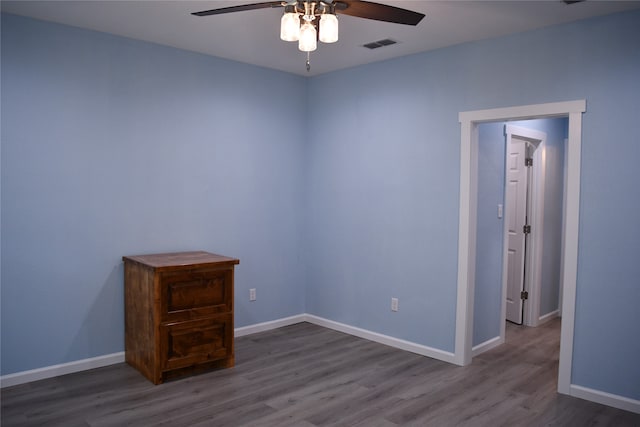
point(534, 172)
point(467, 223)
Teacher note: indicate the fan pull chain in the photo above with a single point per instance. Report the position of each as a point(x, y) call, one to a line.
point(308, 62)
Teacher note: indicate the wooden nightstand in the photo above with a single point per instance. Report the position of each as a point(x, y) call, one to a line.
point(178, 313)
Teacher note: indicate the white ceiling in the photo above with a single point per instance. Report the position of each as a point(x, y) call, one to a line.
point(253, 36)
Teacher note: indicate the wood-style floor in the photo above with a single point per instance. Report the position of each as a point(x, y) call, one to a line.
point(306, 375)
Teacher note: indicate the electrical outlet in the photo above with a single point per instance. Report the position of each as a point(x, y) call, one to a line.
point(394, 304)
point(252, 294)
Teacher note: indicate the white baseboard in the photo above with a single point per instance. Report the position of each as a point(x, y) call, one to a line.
point(609, 399)
point(383, 339)
point(549, 316)
point(351, 330)
point(601, 397)
point(111, 359)
point(486, 346)
point(266, 326)
point(62, 369)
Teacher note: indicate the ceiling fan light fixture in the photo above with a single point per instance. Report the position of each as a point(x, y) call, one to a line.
point(296, 24)
point(328, 28)
point(290, 26)
point(308, 35)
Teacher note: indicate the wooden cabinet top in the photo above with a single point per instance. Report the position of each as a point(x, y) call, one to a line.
point(180, 259)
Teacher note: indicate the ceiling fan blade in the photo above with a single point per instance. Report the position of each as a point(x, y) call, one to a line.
point(361, 9)
point(378, 12)
point(253, 6)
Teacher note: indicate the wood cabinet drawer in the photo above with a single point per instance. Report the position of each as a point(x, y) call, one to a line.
point(196, 341)
point(193, 294)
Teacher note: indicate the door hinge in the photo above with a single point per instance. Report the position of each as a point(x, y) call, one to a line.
point(526, 229)
point(528, 161)
point(524, 295)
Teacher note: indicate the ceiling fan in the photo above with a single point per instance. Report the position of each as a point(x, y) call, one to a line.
point(307, 21)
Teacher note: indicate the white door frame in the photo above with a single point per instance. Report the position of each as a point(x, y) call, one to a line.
point(467, 223)
point(533, 261)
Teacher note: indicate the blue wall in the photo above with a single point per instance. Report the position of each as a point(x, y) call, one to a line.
point(112, 147)
point(383, 185)
point(115, 147)
point(383, 200)
point(491, 163)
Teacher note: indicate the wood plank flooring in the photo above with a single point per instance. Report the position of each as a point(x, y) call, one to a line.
point(305, 375)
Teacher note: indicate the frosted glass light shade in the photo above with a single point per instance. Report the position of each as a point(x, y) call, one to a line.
point(290, 27)
point(307, 42)
point(328, 28)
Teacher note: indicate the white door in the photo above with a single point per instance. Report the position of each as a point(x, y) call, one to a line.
point(516, 204)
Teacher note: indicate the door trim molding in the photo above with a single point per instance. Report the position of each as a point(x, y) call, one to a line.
point(467, 223)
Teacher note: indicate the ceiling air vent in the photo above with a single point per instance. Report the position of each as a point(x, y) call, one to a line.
point(379, 43)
